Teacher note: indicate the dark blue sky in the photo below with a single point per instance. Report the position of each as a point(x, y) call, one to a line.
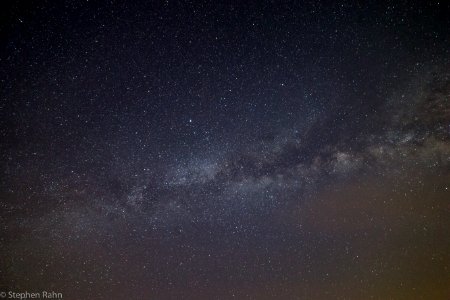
point(202, 150)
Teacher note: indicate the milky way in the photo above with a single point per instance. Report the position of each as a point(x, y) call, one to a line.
point(225, 151)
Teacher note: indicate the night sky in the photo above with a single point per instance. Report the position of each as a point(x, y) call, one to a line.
point(239, 150)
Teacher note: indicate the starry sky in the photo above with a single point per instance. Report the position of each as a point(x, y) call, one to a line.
point(238, 150)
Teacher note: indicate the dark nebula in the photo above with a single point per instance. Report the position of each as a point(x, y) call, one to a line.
point(209, 150)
